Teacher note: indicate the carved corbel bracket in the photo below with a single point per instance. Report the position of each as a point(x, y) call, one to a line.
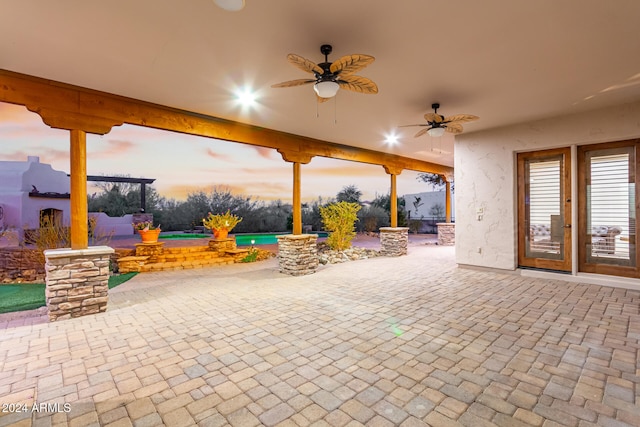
point(392, 170)
point(74, 121)
point(295, 156)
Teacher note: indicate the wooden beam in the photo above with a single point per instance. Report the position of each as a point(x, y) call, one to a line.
point(72, 107)
point(297, 201)
point(78, 166)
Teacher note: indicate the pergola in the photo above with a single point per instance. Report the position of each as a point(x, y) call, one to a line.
point(81, 111)
point(142, 181)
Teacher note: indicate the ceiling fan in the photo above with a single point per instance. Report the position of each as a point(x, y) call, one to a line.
point(331, 76)
point(437, 125)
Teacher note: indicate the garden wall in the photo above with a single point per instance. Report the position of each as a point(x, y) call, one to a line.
point(21, 264)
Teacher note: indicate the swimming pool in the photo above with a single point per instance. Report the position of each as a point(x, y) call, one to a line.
point(179, 236)
point(265, 238)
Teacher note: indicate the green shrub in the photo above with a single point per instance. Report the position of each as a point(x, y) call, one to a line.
point(339, 218)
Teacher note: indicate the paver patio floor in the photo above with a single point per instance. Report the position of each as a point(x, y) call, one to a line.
point(404, 341)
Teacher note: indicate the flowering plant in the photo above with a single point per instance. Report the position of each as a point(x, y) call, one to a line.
point(225, 221)
point(145, 226)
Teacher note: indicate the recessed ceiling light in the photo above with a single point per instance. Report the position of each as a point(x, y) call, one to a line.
point(391, 138)
point(246, 97)
point(230, 5)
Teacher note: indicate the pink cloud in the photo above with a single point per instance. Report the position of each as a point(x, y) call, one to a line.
point(265, 152)
point(17, 114)
point(215, 155)
point(115, 148)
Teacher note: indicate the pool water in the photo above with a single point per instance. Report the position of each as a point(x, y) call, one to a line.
point(184, 236)
point(265, 238)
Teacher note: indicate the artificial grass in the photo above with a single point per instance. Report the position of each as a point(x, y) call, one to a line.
point(29, 296)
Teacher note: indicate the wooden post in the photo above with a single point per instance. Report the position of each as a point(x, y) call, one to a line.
point(78, 166)
point(394, 202)
point(394, 171)
point(447, 201)
point(143, 197)
point(297, 204)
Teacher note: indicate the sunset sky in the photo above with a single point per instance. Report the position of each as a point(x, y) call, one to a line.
point(182, 164)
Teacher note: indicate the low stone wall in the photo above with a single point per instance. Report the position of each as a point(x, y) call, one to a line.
point(298, 254)
point(77, 281)
point(394, 241)
point(21, 264)
point(446, 233)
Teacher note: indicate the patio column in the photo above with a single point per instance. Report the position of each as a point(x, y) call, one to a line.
point(297, 204)
point(393, 171)
point(447, 229)
point(393, 240)
point(297, 252)
point(78, 166)
point(447, 201)
point(77, 277)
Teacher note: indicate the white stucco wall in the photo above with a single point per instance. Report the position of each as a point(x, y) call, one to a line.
point(485, 176)
point(16, 181)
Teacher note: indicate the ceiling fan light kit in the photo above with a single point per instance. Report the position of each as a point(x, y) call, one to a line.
point(329, 77)
point(230, 5)
point(437, 125)
point(327, 89)
point(436, 132)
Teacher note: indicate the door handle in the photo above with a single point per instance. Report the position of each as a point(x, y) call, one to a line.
point(567, 226)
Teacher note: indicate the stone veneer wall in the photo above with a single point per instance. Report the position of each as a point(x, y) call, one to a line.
point(77, 281)
point(222, 245)
point(446, 233)
point(298, 254)
point(394, 241)
point(20, 263)
point(151, 250)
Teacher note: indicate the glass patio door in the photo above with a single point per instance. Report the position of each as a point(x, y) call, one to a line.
point(607, 174)
point(544, 209)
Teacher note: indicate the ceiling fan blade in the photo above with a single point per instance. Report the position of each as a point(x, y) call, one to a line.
point(321, 99)
point(433, 118)
point(421, 132)
point(461, 118)
point(406, 126)
point(292, 83)
point(358, 84)
point(304, 64)
point(350, 64)
point(454, 128)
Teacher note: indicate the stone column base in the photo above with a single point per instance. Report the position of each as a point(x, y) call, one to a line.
point(394, 241)
point(221, 246)
point(77, 281)
point(298, 254)
point(446, 233)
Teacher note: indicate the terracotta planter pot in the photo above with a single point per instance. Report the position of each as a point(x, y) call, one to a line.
point(149, 236)
point(220, 233)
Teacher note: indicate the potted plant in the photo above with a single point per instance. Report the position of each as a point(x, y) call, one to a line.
point(221, 224)
point(148, 232)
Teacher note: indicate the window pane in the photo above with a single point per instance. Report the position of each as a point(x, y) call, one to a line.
point(544, 196)
point(610, 210)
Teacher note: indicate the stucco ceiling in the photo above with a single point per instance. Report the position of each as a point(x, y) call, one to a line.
point(505, 61)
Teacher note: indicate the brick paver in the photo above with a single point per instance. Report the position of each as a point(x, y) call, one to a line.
point(405, 341)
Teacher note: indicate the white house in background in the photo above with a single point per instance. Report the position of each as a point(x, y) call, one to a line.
point(420, 205)
point(31, 190)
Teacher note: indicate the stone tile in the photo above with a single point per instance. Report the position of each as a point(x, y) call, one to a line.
point(243, 345)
